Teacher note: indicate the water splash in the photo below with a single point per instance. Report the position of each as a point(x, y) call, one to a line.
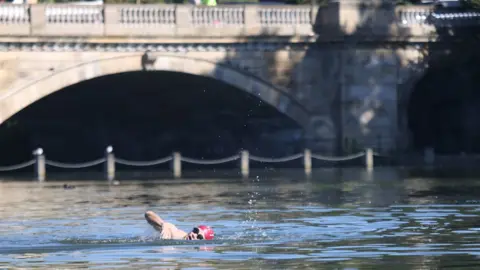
point(252, 230)
point(82, 241)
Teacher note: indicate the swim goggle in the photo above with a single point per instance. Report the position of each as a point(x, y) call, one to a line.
point(197, 232)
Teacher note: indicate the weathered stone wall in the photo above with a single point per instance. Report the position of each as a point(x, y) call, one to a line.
point(353, 97)
point(375, 93)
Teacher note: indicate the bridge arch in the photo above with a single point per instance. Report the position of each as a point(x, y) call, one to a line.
point(28, 90)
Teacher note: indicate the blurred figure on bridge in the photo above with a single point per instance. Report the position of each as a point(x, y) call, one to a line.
point(210, 3)
point(195, 2)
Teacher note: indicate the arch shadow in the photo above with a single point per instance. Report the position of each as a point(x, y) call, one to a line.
point(28, 91)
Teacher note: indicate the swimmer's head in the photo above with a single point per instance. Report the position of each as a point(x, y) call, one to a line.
point(204, 232)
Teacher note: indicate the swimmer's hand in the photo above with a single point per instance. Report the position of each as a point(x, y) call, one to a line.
point(154, 220)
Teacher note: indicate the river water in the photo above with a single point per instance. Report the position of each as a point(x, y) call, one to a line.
point(337, 219)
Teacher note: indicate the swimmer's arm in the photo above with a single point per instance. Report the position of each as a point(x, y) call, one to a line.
point(170, 231)
point(154, 220)
point(167, 230)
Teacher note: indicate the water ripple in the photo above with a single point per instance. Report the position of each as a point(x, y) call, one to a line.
point(268, 225)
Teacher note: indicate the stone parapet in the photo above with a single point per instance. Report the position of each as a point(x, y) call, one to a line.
point(336, 20)
point(155, 20)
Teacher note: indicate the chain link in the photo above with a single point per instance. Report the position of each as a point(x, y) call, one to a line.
point(17, 166)
point(210, 162)
point(345, 158)
point(276, 160)
point(185, 159)
point(75, 165)
point(143, 163)
point(376, 154)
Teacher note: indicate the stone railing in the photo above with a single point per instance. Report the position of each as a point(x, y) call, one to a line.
point(155, 20)
point(14, 20)
point(174, 21)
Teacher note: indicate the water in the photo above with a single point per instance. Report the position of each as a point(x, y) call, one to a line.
point(339, 219)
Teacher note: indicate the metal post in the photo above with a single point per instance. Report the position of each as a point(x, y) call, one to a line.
point(40, 170)
point(245, 163)
point(307, 161)
point(109, 163)
point(177, 165)
point(369, 159)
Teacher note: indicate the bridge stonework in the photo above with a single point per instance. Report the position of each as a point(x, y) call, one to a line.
point(340, 96)
point(344, 72)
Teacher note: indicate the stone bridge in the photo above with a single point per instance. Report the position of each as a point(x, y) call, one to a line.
point(344, 71)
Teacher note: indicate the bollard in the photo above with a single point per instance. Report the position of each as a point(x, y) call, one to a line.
point(244, 163)
point(109, 163)
point(177, 165)
point(307, 161)
point(369, 159)
point(40, 170)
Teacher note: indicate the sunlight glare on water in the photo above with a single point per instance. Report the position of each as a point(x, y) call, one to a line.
point(338, 219)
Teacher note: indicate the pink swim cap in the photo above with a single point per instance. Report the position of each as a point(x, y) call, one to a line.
point(207, 232)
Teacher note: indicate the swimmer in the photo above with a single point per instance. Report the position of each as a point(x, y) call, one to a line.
point(169, 231)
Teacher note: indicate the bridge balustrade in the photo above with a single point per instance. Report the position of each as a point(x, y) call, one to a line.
point(174, 21)
point(154, 20)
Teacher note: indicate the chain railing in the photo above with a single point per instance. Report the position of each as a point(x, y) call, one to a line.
point(40, 162)
point(276, 160)
point(334, 159)
point(17, 166)
point(81, 165)
point(210, 162)
point(143, 163)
